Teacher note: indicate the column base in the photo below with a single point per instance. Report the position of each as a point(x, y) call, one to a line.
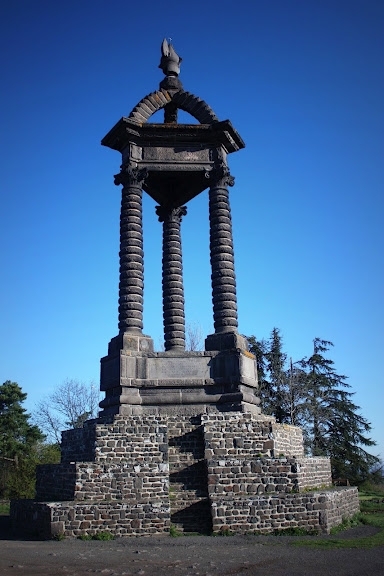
point(130, 341)
point(226, 341)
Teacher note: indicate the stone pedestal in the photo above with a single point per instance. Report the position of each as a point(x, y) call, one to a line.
point(138, 380)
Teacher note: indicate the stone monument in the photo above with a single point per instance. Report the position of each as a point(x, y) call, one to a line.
point(180, 438)
point(173, 163)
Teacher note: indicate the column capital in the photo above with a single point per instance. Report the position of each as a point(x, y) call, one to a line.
point(130, 176)
point(220, 175)
point(171, 214)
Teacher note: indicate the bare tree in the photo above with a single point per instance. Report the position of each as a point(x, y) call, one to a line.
point(193, 337)
point(69, 406)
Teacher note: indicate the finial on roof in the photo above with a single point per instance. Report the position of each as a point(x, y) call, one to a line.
point(170, 61)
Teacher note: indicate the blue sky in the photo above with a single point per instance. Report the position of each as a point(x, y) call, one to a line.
point(303, 83)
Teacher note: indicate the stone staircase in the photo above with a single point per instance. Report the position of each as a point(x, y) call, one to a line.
point(190, 507)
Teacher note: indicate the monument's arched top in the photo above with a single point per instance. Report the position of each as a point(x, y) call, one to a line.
point(180, 99)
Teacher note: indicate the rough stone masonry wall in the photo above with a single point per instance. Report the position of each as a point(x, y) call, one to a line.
point(314, 472)
point(78, 444)
point(236, 434)
point(287, 439)
point(341, 503)
point(128, 481)
point(72, 519)
point(251, 491)
point(266, 475)
point(123, 488)
point(312, 511)
point(239, 453)
point(56, 481)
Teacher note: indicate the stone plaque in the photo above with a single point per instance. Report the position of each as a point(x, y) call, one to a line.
point(178, 368)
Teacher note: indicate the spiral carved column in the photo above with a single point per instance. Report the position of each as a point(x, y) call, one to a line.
point(221, 250)
point(173, 290)
point(131, 283)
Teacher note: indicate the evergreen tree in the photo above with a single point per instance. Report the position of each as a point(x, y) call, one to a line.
point(259, 348)
point(333, 425)
point(17, 434)
point(312, 395)
point(272, 375)
point(19, 440)
point(295, 395)
point(276, 360)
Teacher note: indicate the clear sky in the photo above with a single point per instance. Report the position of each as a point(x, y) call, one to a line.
point(303, 83)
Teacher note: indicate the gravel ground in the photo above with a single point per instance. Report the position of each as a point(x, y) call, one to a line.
point(191, 555)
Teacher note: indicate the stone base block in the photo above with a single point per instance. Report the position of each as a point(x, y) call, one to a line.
point(226, 341)
point(138, 380)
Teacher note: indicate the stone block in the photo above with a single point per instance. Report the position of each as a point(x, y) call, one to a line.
point(226, 341)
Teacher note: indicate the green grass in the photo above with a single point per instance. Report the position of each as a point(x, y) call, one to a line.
point(294, 532)
point(98, 536)
point(374, 505)
point(173, 532)
point(377, 539)
point(348, 523)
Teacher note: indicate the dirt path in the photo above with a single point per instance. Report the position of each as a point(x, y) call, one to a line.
point(192, 555)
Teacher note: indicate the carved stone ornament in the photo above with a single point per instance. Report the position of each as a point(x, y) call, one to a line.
point(129, 176)
point(220, 176)
point(170, 61)
point(171, 214)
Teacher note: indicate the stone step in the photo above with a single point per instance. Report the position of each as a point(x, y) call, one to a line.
point(195, 517)
point(192, 477)
point(190, 508)
point(183, 498)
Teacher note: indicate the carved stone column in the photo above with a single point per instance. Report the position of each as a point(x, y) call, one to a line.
point(221, 249)
point(173, 290)
point(131, 283)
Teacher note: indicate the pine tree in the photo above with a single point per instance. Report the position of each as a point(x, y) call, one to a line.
point(312, 395)
point(272, 375)
point(18, 443)
point(259, 348)
point(276, 361)
point(334, 426)
point(295, 394)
